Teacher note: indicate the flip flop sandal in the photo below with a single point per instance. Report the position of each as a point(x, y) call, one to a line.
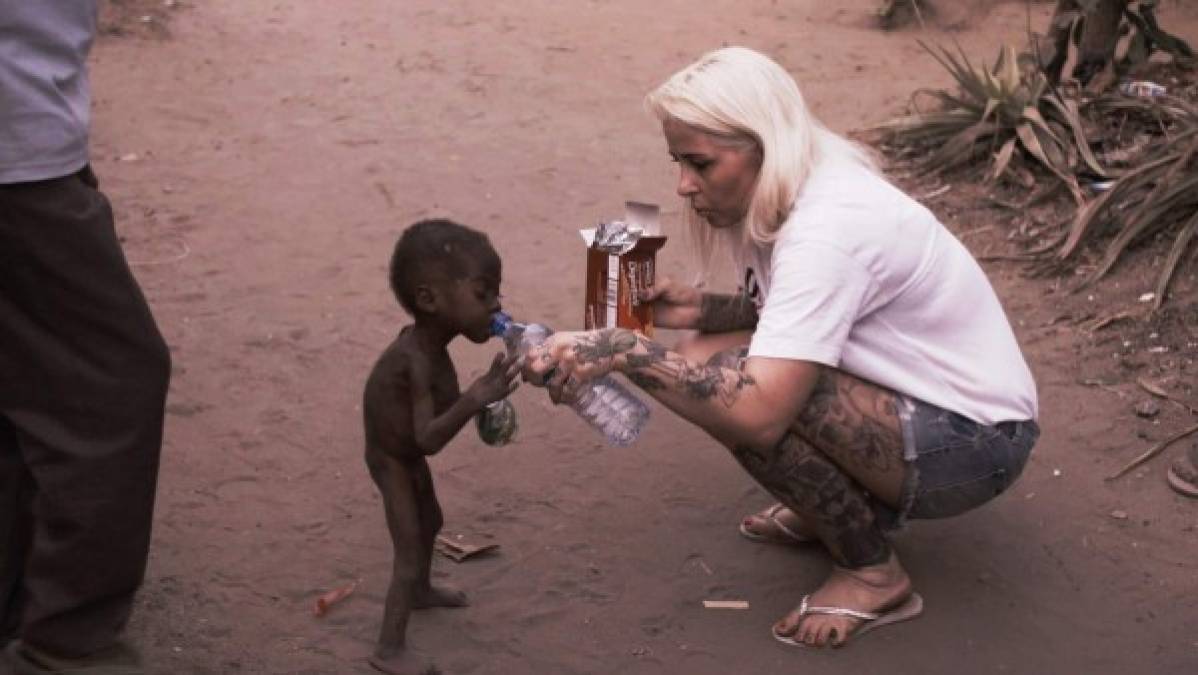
point(784, 534)
point(908, 609)
point(1183, 476)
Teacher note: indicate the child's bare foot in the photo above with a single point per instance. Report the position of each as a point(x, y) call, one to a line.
point(438, 596)
point(874, 589)
point(400, 661)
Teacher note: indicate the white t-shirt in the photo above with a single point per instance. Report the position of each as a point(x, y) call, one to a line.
point(865, 279)
point(44, 95)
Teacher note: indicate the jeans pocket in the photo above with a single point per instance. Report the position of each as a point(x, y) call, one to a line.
point(943, 501)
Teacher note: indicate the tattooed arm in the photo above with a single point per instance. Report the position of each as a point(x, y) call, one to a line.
point(681, 306)
point(726, 313)
point(739, 400)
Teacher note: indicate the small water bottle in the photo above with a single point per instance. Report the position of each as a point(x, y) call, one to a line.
point(604, 403)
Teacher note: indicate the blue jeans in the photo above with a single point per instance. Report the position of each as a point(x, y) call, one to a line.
point(955, 464)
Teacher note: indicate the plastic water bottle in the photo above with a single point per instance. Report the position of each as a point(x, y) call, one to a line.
point(604, 403)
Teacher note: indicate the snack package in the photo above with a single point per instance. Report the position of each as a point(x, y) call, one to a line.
point(621, 257)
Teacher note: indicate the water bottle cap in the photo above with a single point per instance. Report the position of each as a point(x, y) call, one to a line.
point(500, 322)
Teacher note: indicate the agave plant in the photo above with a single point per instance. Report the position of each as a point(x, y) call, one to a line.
point(1159, 195)
point(1011, 113)
point(1003, 112)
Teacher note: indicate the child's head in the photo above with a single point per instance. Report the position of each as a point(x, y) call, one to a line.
point(440, 267)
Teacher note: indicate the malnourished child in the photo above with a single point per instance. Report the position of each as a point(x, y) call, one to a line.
point(446, 276)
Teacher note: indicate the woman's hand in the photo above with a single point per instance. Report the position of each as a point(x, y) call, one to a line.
point(675, 305)
point(567, 360)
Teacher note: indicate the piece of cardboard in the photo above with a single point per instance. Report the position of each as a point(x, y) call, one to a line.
point(459, 551)
point(615, 281)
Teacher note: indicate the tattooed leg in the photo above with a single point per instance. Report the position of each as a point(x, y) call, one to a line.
point(855, 424)
point(867, 576)
point(810, 484)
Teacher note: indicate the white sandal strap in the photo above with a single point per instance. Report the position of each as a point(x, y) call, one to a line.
point(805, 608)
point(772, 516)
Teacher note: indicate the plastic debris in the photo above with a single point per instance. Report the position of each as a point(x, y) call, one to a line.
point(325, 602)
point(1142, 89)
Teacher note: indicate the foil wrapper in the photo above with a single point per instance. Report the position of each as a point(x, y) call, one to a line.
point(617, 237)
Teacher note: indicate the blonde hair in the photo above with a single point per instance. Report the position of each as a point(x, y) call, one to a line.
point(740, 96)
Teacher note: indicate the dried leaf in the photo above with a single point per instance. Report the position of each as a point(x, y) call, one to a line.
point(1099, 324)
point(1087, 216)
point(1149, 212)
point(1152, 388)
point(1072, 119)
point(1152, 452)
point(1029, 139)
point(1175, 254)
point(1002, 158)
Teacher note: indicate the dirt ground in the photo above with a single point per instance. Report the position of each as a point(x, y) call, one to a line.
point(263, 156)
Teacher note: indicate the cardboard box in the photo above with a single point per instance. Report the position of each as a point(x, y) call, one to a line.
point(615, 280)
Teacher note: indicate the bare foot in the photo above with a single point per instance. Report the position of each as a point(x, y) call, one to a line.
point(777, 524)
point(438, 596)
point(401, 661)
point(869, 589)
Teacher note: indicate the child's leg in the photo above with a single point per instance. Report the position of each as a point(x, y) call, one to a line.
point(431, 520)
point(398, 489)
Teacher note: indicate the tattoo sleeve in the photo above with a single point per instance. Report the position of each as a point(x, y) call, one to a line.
point(604, 344)
point(653, 367)
point(726, 313)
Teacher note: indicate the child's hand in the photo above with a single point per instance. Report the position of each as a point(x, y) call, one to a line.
point(499, 381)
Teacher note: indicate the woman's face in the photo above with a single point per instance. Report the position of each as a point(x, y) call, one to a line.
point(717, 177)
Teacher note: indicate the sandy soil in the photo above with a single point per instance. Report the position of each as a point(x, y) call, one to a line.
point(263, 158)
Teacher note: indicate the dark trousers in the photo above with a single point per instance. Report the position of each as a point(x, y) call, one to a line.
point(83, 381)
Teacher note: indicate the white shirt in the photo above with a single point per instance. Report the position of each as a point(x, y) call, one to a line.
point(865, 279)
point(44, 96)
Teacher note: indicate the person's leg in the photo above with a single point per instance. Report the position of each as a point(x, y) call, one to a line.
point(16, 491)
point(428, 594)
point(846, 446)
point(775, 523)
point(83, 380)
point(856, 424)
point(397, 487)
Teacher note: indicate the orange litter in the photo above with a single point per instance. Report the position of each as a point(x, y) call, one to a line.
point(325, 602)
